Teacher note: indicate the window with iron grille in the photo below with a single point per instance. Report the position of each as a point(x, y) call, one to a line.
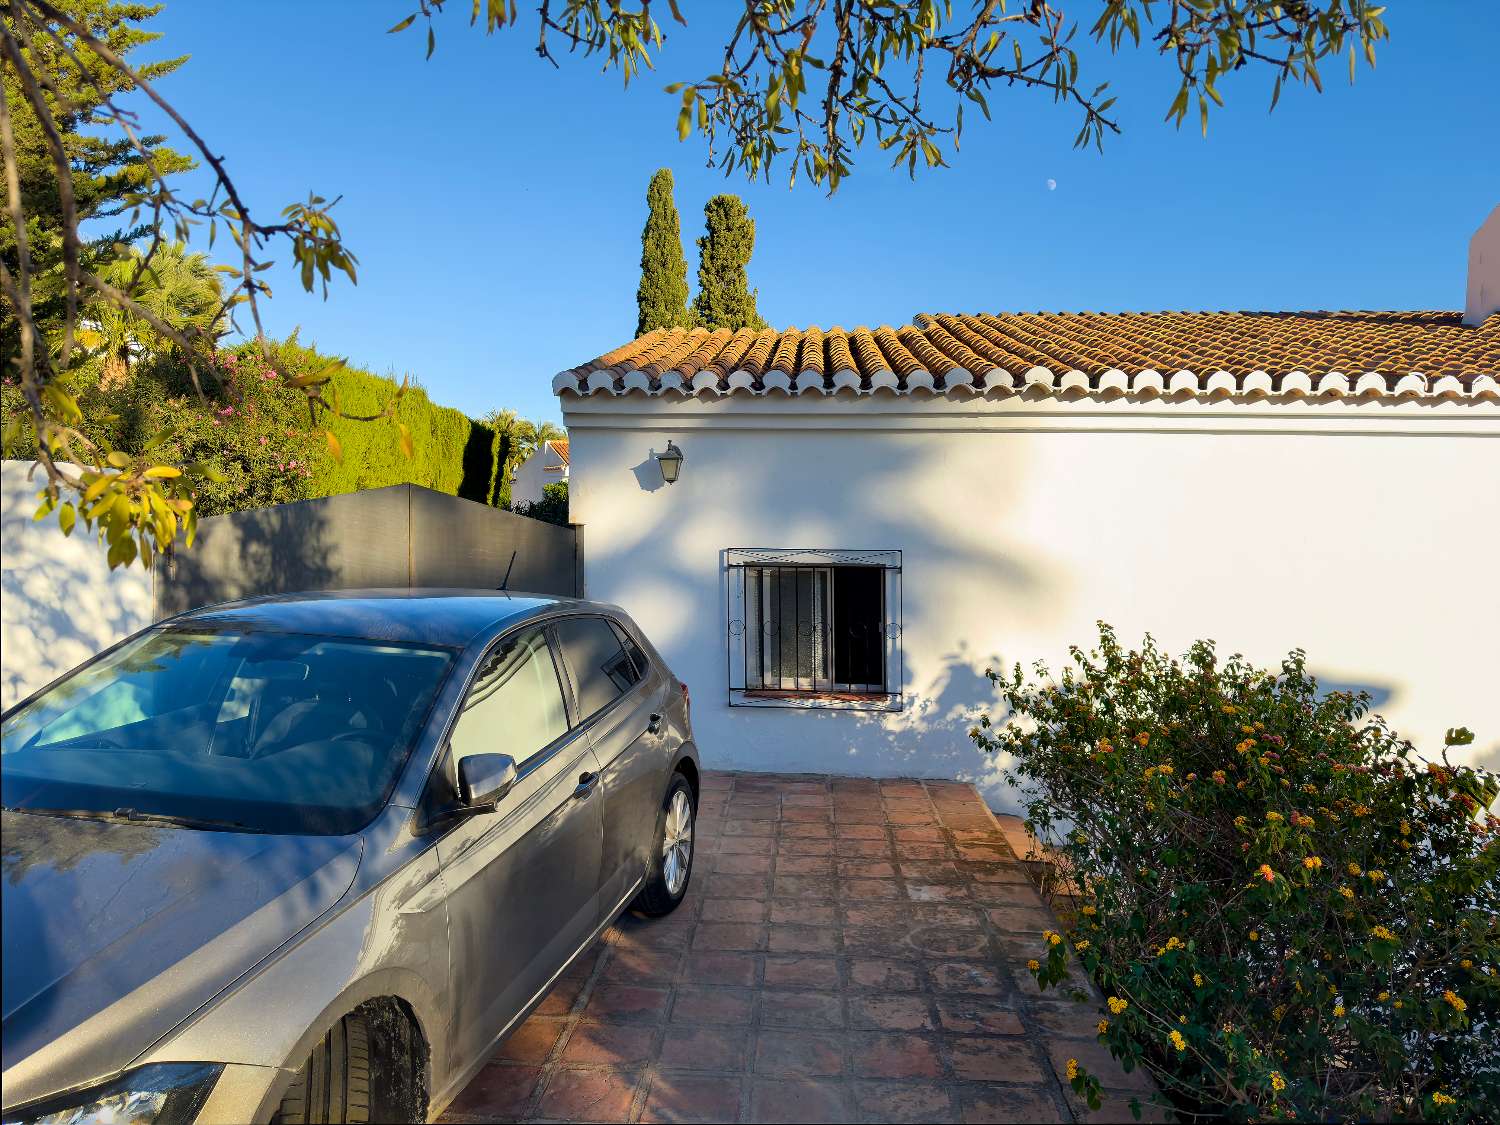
point(814, 628)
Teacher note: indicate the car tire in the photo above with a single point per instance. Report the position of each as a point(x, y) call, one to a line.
point(672, 856)
point(333, 1085)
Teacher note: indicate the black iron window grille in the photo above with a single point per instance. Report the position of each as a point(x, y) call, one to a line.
point(814, 628)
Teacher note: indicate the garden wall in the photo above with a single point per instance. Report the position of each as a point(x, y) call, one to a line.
point(59, 601)
point(400, 536)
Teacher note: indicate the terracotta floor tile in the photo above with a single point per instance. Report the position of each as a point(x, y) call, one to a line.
point(804, 846)
point(742, 863)
point(1006, 895)
point(868, 847)
point(803, 939)
point(1068, 1020)
point(994, 1060)
point(588, 1095)
point(724, 1006)
point(865, 868)
point(802, 1009)
point(723, 885)
point(692, 1098)
point(533, 1041)
point(799, 1101)
point(801, 972)
point(981, 1015)
point(729, 936)
point(806, 831)
point(860, 832)
point(799, 814)
point(729, 970)
point(734, 910)
point(800, 912)
point(500, 1091)
point(609, 1044)
point(966, 977)
point(894, 1056)
point(804, 865)
point(690, 1047)
point(823, 887)
point(904, 1101)
point(983, 1105)
point(633, 1002)
point(854, 889)
point(641, 965)
point(885, 975)
point(564, 994)
point(891, 1011)
point(784, 1053)
point(749, 828)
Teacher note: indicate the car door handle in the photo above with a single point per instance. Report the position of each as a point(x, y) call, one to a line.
point(654, 726)
point(586, 783)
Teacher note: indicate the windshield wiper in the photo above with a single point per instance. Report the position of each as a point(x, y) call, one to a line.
point(134, 816)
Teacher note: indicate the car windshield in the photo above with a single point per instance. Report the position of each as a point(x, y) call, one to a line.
point(269, 732)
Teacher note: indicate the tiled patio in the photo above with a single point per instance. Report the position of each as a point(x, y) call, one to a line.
point(850, 950)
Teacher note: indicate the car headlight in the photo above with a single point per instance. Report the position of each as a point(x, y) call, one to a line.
point(164, 1094)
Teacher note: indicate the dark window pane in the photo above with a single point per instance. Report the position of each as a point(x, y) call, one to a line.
point(601, 670)
point(632, 650)
point(515, 706)
point(859, 627)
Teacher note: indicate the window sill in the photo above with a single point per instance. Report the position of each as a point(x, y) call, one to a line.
point(816, 700)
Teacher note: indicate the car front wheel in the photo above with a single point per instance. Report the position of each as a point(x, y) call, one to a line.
point(333, 1086)
point(672, 862)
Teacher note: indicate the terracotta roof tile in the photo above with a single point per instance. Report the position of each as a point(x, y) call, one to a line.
point(1269, 353)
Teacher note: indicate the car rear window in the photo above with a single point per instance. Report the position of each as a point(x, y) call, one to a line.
point(601, 670)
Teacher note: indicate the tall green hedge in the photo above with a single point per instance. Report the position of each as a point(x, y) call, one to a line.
point(451, 452)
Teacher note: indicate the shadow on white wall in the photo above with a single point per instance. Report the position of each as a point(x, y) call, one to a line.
point(59, 602)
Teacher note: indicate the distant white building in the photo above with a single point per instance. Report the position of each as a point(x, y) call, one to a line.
point(548, 465)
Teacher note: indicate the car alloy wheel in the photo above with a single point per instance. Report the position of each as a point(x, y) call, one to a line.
point(677, 842)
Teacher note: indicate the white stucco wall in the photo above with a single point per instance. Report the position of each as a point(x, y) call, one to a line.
point(59, 602)
point(1363, 532)
point(542, 468)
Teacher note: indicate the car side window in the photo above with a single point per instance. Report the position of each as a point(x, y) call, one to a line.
point(632, 650)
point(515, 705)
point(602, 671)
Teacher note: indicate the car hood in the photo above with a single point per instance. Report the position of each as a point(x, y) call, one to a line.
point(114, 933)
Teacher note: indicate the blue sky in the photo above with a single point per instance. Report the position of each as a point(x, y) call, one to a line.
point(496, 204)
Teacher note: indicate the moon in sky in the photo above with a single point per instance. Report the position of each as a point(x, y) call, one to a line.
point(1051, 185)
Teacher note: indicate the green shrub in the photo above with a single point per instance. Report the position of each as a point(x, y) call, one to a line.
point(1289, 912)
point(552, 507)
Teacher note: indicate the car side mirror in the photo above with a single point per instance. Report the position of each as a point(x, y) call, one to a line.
point(483, 779)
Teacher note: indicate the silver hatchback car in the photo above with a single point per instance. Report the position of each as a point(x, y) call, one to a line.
point(311, 858)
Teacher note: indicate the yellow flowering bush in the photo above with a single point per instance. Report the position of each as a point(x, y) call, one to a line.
point(1214, 859)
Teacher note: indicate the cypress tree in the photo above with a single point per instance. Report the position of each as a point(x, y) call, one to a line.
point(662, 297)
point(725, 299)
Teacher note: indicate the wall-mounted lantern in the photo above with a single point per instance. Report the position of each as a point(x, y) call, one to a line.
point(670, 462)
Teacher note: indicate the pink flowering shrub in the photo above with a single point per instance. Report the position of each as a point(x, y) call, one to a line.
point(1289, 912)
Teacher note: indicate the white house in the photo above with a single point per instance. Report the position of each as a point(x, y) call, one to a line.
point(548, 464)
point(864, 521)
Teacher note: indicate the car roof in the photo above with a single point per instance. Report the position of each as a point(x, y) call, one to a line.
point(452, 618)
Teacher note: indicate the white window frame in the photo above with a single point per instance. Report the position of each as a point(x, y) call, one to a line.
point(739, 562)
